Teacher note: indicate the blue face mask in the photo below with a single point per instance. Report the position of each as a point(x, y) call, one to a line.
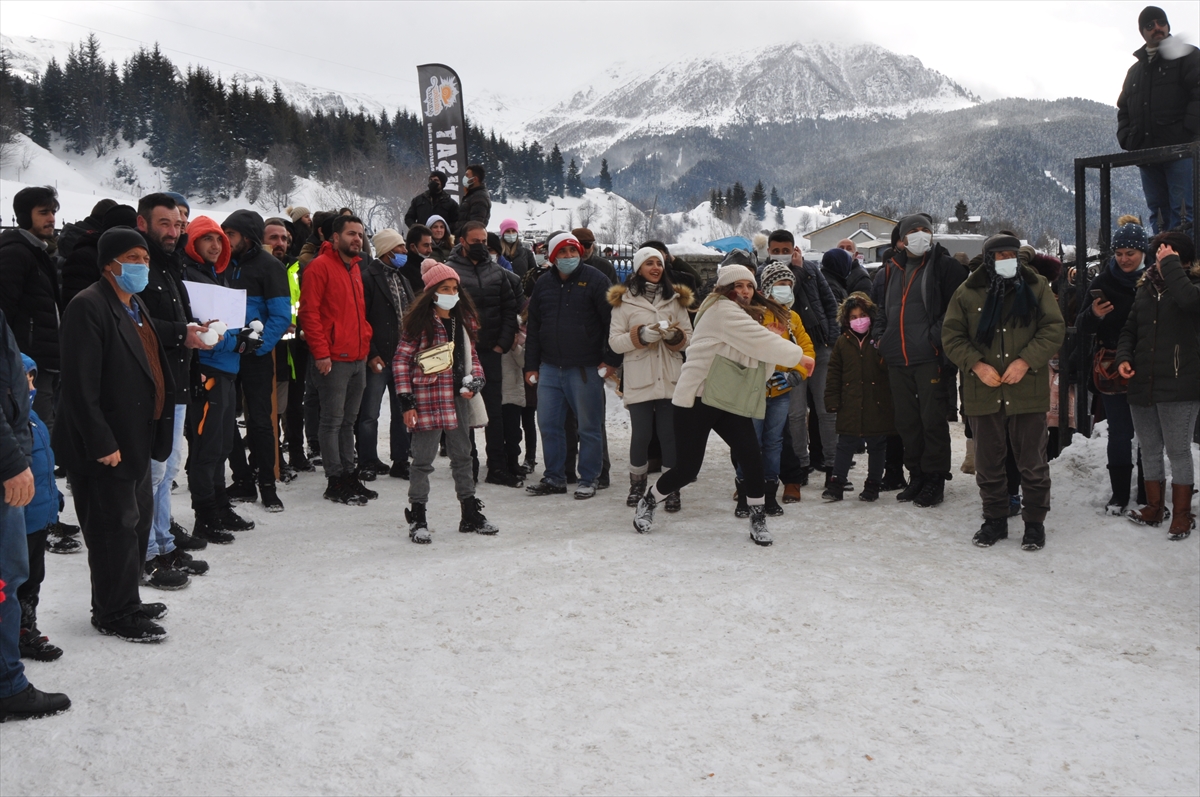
point(567, 264)
point(133, 278)
point(398, 260)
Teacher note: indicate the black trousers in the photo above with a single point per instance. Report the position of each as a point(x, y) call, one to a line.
point(294, 425)
point(256, 380)
point(692, 426)
point(493, 391)
point(29, 592)
point(115, 515)
point(513, 416)
point(921, 408)
point(212, 428)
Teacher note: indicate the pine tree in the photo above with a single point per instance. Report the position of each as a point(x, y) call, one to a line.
point(758, 201)
point(738, 195)
point(779, 216)
point(960, 211)
point(574, 181)
point(605, 177)
point(554, 172)
point(775, 200)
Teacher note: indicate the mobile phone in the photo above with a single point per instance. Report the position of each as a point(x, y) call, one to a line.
point(1098, 294)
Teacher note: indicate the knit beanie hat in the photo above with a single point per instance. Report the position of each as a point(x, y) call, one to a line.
point(434, 219)
point(296, 213)
point(559, 241)
point(1150, 13)
point(438, 272)
point(644, 254)
point(910, 223)
point(386, 240)
point(116, 242)
point(727, 275)
point(773, 273)
point(1000, 243)
point(180, 199)
point(1130, 236)
point(508, 225)
point(119, 216)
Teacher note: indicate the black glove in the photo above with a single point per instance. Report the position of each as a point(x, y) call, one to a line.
point(473, 384)
point(247, 344)
point(408, 401)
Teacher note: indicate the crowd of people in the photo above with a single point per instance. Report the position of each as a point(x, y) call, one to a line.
point(110, 379)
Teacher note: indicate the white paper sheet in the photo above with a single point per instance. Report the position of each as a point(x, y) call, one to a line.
point(213, 302)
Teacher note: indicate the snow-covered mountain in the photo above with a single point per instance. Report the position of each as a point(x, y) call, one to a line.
point(779, 84)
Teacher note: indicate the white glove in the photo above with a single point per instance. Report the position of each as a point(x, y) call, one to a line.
point(651, 333)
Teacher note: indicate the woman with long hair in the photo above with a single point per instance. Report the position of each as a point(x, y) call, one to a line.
point(437, 375)
point(722, 386)
point(443, 241)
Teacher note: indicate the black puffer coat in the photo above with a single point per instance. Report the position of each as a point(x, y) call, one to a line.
point(856, 280)
point(1161, 338)
point(424, 205)
point(29, 297)
point(1160, 101)
point(476, 205)
point(81, 269)
point(488, 286)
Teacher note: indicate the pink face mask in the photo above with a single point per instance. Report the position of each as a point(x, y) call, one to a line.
point(860, 325)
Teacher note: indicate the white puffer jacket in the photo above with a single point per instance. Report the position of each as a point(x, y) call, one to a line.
point(650, 371)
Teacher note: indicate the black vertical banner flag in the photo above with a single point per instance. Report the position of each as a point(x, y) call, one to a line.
point(445, 129)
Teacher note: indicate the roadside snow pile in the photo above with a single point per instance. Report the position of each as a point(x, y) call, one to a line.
point(872, 649)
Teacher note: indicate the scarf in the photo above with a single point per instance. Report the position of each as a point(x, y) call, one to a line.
point(1129, 280)
point(650, 291)
point(993, 307)
point(1155, 277)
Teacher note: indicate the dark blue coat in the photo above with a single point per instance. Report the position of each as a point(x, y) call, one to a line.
point(43, 509)
point(568, 320)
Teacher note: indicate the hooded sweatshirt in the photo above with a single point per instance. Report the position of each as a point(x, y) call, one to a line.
point(263, 278)
point(221, 357)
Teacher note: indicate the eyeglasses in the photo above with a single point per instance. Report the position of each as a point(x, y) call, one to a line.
point(1154, 23)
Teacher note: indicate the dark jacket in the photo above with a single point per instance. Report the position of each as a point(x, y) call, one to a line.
point(857, 388)
point(522, 260)
point(857, 279)
point(16, 439)
point(263, 278)
point(106, 397)
point(167, 299)
point(412, 272)
point(43, 509)
point(382, 311)
point(222, 357)
point(1160, 101)
point(29, 296)
point(1108, 329)
point(939, 284)
point(604, 266)
point(1161, 338)
point(425, 205)
point(488, 286)
point(81, 268)
point(75, 232)
point(815, 304)
point(569, 321)
point(476, 205)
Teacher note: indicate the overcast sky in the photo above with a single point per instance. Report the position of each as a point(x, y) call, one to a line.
point(536, 52)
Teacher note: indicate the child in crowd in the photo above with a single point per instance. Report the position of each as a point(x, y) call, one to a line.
point(857, 389)
point(436, 376)
point(520, 419)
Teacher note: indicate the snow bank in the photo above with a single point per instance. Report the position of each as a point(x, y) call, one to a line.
point(873, 649)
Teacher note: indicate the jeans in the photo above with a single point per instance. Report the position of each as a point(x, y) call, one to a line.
point(14, 569)
point(377, 384)
point(1168, 187)
point(256, 378)
point(582, 391)
point(1166, 426)
point(644, 418)
point(458, 447)
point(876, 456)
point(769, 432)
point(161, 476)
point(341, 394)
point(798, 412)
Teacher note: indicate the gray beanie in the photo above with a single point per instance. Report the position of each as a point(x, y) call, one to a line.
point(910, 223)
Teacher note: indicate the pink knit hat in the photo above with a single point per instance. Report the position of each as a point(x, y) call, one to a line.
point(438, 272)
point(508, 224)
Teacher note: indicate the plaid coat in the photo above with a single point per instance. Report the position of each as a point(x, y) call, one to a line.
point(434, 394)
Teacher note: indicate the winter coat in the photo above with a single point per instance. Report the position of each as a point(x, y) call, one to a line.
point(489, 287)
point(381, 311)
point(332, 311)
point(1160, 101)
point(223, 356)
point(815, 304)
point(107, 393)
point(796, 334)
point(522, 260)
point(1161, 338)
point(939, 283)
point(442, 249)
point(569, 321)
point(857, 388)
point(650, 371)
point(47, 500)
point(16, 439)
point(425, 205)
point(476, 205)
point(724, 329)
point(81, 268)
point(1036, 343)
point(75, 232)
point(604, 266)
point(29, 296)
point(857, 280)
point(167, 299)
point(263, 278)
point(1108, 329)
point(512, 364)
point(431, 395)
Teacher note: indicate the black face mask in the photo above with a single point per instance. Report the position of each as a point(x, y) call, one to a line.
point(435, 186)
point(477, 252)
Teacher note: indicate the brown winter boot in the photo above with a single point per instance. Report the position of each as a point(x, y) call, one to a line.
point(968, 463)
point(791, 493)
point(1152, 513)
point(1183, 520)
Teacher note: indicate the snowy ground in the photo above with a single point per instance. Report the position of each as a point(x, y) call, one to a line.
point(873, 649)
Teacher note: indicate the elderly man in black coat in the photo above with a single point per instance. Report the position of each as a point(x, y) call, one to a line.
point(115, 414)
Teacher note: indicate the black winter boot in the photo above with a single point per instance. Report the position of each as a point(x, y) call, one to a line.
point(771, 506)
point(915, 482)
point(1118, 477)
point(1035, 536)
point(870, 491)
point(207, 528)
point(418, 529)
point(270, 498)
point(991, 532)
point(742, 509)
point(672, 503)
point(473, 519)
point(933, 490)
point(834, 489)
point(637, 488)
point(242, 491)
point(643, 518)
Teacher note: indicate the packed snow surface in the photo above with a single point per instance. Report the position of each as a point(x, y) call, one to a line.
point(871, 650)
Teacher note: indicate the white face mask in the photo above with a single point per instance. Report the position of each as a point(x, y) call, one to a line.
point(446, 301)
point(1006, 269)
point(918, 243)
point(510, 237)
point(781, 258)
point(782, 294)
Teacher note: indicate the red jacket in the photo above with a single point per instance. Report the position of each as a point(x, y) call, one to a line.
point(332, 309)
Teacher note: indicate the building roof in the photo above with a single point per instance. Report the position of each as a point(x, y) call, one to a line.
point(851, 217)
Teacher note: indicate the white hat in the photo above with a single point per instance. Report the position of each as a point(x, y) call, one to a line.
point(727, 275)
point(644, 254)
point(386, 240)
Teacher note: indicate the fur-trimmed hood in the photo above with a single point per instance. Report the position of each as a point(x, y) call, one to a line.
point(856, 299)
point(683, 295)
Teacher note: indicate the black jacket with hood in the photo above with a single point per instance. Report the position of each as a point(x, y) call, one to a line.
point(29, 296)
point(167, 300)
point(1160, 101)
